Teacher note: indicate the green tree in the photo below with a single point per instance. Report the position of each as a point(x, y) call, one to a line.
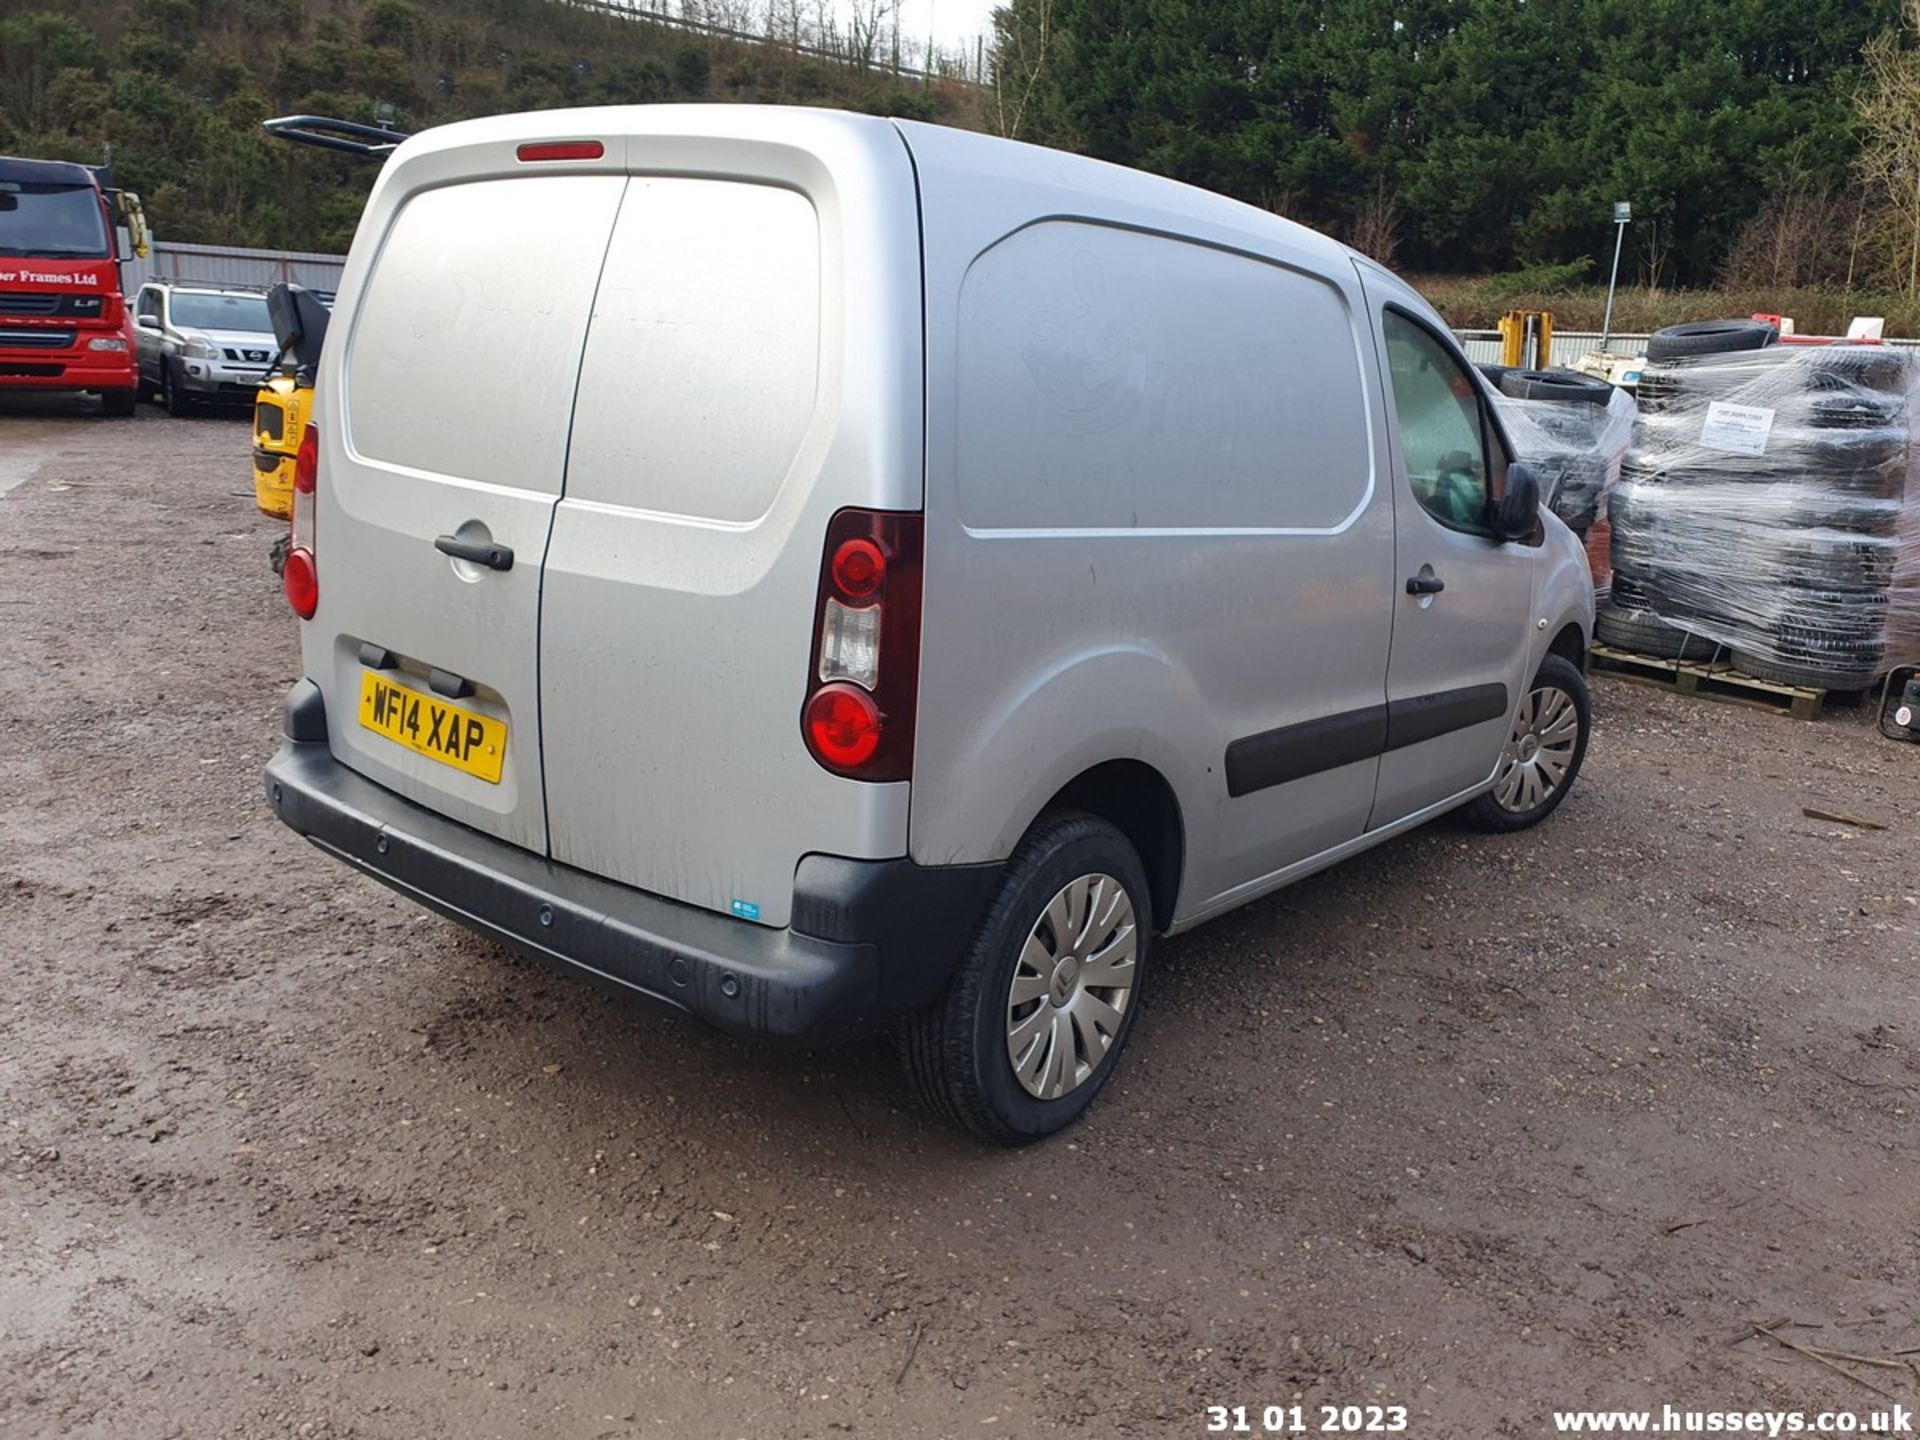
point(1890, 157)
point(1496, 132)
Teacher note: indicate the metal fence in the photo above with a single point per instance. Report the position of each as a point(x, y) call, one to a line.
point(1570, 346)
point(898, 55)
point(1483, 346)
point(231, 265)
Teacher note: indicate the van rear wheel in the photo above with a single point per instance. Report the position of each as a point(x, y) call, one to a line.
point(1035, 1018)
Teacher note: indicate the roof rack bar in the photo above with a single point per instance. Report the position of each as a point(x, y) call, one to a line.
point(188, 282)
point(349, 137)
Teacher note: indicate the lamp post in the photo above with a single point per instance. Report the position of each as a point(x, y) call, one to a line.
point(1622, 217)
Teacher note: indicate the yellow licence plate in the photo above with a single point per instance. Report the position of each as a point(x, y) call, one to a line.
point(451, 734)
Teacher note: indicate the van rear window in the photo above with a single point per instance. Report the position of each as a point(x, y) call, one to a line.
point(703, 359)
point(466, 341)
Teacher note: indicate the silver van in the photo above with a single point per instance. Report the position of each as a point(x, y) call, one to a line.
point(827, 573)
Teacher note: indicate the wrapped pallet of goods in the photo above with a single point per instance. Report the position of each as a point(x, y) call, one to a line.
point(1574, 431)
point(1761, 518)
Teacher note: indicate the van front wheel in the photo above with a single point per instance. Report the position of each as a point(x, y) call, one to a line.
point(1543, 753)
point(1035, 1018)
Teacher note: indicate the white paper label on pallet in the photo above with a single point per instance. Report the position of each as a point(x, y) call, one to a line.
point(1737, 429)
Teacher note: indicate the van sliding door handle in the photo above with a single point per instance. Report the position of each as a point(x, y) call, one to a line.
point(480, 552)
point(1425, 583)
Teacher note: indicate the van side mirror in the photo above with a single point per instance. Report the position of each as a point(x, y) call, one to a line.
point(299, 324)
point(1517, 513)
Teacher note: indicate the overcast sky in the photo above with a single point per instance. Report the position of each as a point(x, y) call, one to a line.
point(950, 22)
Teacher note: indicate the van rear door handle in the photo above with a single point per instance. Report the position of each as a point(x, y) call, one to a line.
point(480, 552)
point(1425, 583)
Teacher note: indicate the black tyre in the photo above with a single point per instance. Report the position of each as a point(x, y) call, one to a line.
point(1656, 392)
point(1027, 1034)
point(1849, 407)
point(1709, 337)
point(1494, 373)
point(1814, 674)
point(1848, 624)
point(1820, 560)
point(1640, 632)
point(1555, 385)
point(1575, 483)
point(1854, 462)
point(1812, 508)
point(117, 404)
point(1637, 557)
point(1629, 592)
point(1543, 753)
point(1580, 519)
point(1876, 367)
point(172, 394)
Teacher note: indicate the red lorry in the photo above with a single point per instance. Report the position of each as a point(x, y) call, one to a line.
point(64, 320)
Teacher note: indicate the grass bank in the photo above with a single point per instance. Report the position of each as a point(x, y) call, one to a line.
point(1478, 302)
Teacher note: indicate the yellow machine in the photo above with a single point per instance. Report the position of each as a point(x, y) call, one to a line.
point(285, 399)
point(1526, 339)
point(279, 420)
point(129, 212)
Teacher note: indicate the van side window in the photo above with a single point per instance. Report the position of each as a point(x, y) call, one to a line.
point(1089, 357)
point(1437, 407)
point(149, 304)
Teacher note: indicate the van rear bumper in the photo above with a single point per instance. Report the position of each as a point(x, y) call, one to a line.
point(871, 940)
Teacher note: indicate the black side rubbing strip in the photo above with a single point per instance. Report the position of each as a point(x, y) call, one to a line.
point(1294, 752)
point(1425, 717)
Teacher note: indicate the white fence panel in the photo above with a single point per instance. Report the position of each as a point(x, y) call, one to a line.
point(232, 265)
point(1569, 346)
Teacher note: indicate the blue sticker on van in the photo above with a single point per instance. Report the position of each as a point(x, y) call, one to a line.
point(746, 909)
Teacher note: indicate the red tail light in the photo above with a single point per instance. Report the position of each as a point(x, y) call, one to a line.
point(300, 576)
point(562, 150)
point(843, 726)
point(859, 565)
point(864, 682)
point(306, 465)
point(301, 581)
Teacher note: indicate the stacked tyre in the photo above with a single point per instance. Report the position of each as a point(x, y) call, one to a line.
point(1638, 612)
point(1785, 556)
point(1572, 467)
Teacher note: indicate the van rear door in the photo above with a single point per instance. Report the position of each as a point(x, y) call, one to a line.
point(443, 428)
point(752, 367)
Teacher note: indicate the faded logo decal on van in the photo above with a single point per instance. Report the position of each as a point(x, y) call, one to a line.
point(1085, 365)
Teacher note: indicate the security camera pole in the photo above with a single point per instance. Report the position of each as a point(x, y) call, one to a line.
point(1622, 217)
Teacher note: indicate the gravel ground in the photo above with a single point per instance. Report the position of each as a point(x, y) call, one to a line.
point(1480, 1126)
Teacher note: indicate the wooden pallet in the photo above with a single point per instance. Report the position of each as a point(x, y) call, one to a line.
point(1714, 680)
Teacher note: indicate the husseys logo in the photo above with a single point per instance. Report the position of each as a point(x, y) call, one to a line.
point(24, 276)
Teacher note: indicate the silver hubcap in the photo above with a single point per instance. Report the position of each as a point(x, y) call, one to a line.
point(1071, 987)
point(1539, 752)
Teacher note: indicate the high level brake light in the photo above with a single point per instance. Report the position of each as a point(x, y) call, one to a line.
point(858, 718)
point(561, 150)
point(300, 577)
